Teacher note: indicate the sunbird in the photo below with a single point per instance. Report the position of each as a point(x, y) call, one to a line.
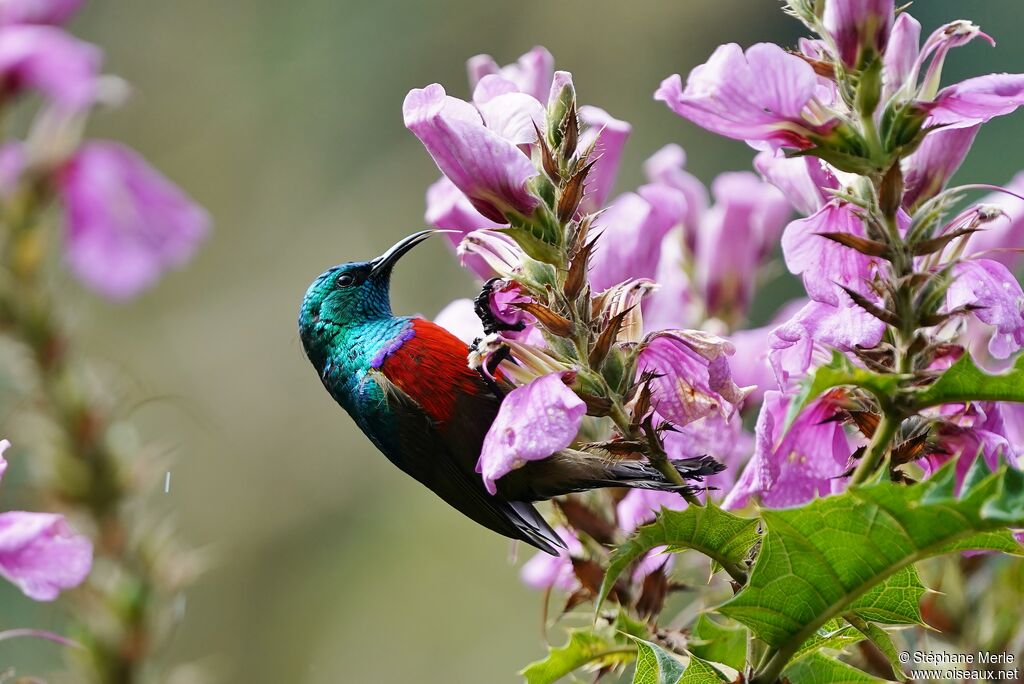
point(407, 384)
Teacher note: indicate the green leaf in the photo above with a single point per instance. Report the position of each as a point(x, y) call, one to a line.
point(833, 635)
point(840, 372)
point(854, 552)
point(585, 648)
point(655, 665)
point(881, 639)
point(724, 537)
point(820, 669)
point(964, 381)
point(719, 643)
point(701, 672)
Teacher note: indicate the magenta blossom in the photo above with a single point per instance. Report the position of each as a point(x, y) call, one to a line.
point(606, 136)
point(934, 162)
point(1001, 238)
point(807, 338)
point(127, 223)
point(534, 421)
point(631, 230)
point(791, 467)
point(490, 169)
point(460, 319)
point(802, 180)
point(734, 237)
point(693, 379)
point(859, 27)
point(823, 263)
point(990, 286)
point(901, 55)
point(532, 74)
point(48, 60)
point(450, 210)
point(39, 552)
point(723, 437)
point(545, 571)
point(977, 100)
point(667, 167)
point(54, 12)
point(764, 95)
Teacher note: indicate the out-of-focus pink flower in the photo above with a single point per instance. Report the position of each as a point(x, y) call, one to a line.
point(126, 222)
point(489, 169)
point(823, 263)
point(632, 229)
point(1002, 237)
point(859, 27)
point(989, 285)
point(802, 180)
point(608, 136)
point(734, 237)
point(901, 54)
point(449, 209)
point(545, 571)
point(762, 95)
point(693, 377)
point(793, 468)
point(534, 421)
point(460, 319)
point(54, 12)
point(934, 162)
point(667, 167)
point(671, 304)
point(750, 364)
point(531, 74)
point(48, 60)
point(12, 165)
point(39, 552)
point(808, 337)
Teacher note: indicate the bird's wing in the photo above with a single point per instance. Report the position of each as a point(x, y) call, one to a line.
point(425, 456)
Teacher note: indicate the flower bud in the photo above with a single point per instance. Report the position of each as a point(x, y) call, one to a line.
point(859, 29)
point(561, 102)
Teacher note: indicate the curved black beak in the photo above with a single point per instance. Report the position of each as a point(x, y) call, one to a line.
point(381, 266)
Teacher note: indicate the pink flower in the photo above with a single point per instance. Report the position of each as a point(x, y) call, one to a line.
point(989, 285)
point(802, 180)
point(977, 100)
point(901, 54)
point(693, 377)
point(1001, 238)
point(792, 468)
point(54, 12)
point(671, 304)
point(632, 229)
point(39, 552)
point(666, 167)
point(534, 421)
point(639, 507)
point(859, 28)
point(734, 237)
point(545, 571)
point(809, 336)
point(532, 74)
point(127, 223)
point(48, 60)
point(822, 262)
point(763, 95)
point(490, 169)
point(449, 209)
point(608, 136)
point(934, 162)
point(717, 436)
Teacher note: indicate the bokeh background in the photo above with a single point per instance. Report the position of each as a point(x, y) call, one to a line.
point(284, 119)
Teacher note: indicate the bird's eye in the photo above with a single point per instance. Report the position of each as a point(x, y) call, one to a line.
point(345, 280)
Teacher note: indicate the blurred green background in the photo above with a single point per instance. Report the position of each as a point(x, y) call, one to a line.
point(284, 119)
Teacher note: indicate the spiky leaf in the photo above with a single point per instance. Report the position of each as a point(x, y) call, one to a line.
point(718, 643)
point(964, 381)
point(854, 551)
point(586, 648)
point(820, 669)
point(724, 537)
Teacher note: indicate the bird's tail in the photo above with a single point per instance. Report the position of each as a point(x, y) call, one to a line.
point(571, 471)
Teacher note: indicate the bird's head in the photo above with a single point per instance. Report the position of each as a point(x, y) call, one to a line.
point(352, 293)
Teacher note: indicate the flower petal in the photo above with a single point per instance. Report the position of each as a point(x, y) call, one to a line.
point(990, 285)
point(977, 100)
point(49, 60)
point(41, 554)
point(934, 162)
point(126, 222)
point(534, 421)
point(608, 136)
